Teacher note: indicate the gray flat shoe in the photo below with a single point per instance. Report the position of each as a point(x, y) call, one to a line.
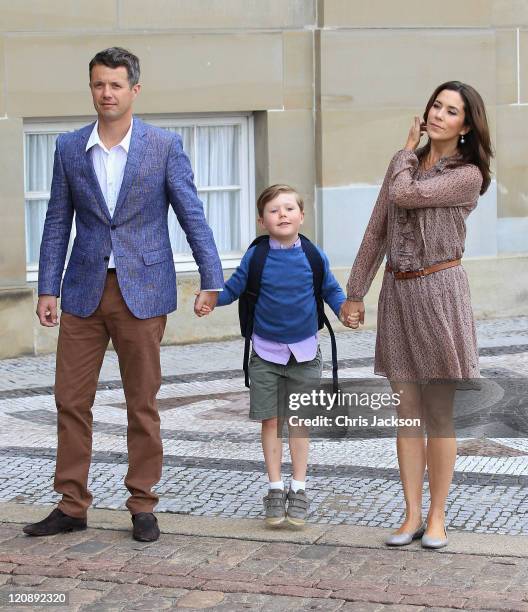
point(275, 507)
point(298, 505)
point(402, 539)
point(429, 542)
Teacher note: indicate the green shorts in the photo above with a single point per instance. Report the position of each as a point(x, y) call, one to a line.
point(264, 379)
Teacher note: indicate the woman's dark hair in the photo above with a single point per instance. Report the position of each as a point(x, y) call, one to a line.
point(477, 146)
point(115, 57)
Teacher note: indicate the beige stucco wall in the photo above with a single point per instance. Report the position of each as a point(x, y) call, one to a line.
point(332, 85)
point(370, 117)
point(416, 13)
point(184, 73)
point(12, 212)
point(17, 329)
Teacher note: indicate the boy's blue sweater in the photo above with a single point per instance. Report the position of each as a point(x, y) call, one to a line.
point(286, 310)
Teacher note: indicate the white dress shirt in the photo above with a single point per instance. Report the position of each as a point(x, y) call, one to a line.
point(109, 166)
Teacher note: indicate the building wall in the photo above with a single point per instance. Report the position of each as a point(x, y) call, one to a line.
point(380, 61)
point(332, 85)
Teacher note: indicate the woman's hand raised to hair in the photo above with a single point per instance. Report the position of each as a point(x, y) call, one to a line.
point(415, 133)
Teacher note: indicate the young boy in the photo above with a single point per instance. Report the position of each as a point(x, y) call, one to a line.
point(284, 340)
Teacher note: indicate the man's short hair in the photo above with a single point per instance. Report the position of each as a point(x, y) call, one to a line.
point(115, 57)
point(270, 193)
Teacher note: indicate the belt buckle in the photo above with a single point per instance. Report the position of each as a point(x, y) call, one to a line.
point(421, 272)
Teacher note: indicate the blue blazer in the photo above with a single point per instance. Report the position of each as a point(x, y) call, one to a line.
point(157, 173)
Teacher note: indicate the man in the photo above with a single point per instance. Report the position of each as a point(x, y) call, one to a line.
point(118, 177)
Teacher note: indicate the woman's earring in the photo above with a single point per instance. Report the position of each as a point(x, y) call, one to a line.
point(462, 141)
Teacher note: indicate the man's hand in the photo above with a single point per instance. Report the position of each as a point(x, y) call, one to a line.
point(205, 302)
point(47, 310)
point(352, 314)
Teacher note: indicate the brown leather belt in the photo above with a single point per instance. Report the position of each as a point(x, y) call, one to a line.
point(424, 271)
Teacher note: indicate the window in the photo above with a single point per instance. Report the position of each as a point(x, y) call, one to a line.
point(221, 152)
point(39, 149)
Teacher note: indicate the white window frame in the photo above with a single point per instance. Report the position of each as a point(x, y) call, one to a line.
point(246, 172)
point(31, 127)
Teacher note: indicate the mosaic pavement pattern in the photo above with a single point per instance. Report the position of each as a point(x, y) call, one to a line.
point(213, 460)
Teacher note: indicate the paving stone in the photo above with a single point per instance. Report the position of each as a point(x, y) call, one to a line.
point(295, 591)
point(200, 600)
point(497, 604)
point(180, 582)
point(435, 600)
point(85, 596)
point(123, 593)
point(104, 607)
point(110, 576)
point(363, 606)
point(89, 547)
point(151, 602)
point(95, 585)
point(212, 573)
point(26, 580)
point(339, 585)
point(56, 584)
point(276, 550)
point(260, 567)
point(165, 568)
point(285, 579)
point(372, 596)
point(40, 570)
point(96, 564)
point(321, 604)
point(170, 593)
point(403, 608)
point(316, 552)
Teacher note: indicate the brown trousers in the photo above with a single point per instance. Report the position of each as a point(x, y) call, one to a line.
point(80, 352)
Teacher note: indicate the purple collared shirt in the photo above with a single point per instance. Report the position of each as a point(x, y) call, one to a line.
point(278, 352)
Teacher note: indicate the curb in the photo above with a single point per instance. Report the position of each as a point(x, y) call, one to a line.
point(353, 536)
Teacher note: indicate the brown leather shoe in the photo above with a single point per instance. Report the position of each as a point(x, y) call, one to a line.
point(145, 527)
point(55, 522)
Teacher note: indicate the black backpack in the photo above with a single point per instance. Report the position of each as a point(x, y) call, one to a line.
point(248, 299)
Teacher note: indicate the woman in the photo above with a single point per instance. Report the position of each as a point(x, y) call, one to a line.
point(426, 333)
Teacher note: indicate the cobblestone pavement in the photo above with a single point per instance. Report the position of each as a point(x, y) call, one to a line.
point(105, 570)
point(213, 460)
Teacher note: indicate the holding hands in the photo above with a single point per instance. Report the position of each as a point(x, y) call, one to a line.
point(205, 302)
point(352, 314)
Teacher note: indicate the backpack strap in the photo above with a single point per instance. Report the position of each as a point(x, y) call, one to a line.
point(335, 380)
point(256, 266)
point(317, 264)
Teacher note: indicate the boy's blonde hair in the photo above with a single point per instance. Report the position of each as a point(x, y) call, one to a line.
point(270, 193)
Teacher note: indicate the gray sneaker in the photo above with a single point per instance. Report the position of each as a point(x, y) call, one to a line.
point(275, 507)
point(298, 506)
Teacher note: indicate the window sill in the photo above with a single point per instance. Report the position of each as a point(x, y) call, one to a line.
point(229, 262)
